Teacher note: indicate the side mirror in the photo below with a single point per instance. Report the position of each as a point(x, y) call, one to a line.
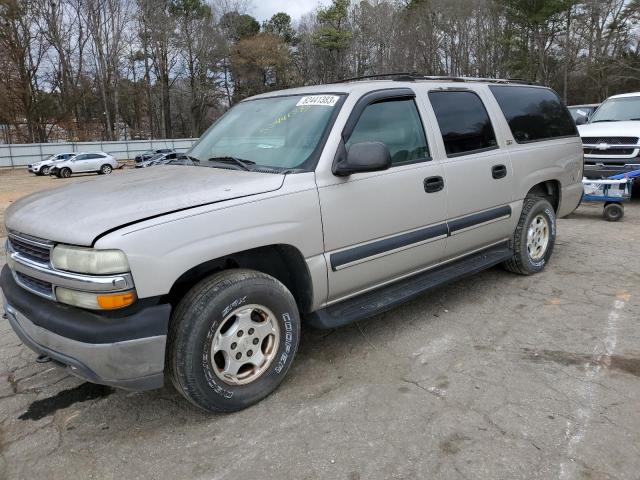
point(363, 157)
point(581, 120)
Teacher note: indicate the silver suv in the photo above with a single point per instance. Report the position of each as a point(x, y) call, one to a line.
point(85, 162)
point(316, 206)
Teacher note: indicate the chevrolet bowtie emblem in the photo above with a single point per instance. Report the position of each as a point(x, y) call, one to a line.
point(603, 146)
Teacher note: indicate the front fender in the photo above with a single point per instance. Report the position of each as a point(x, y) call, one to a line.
point(162, 249)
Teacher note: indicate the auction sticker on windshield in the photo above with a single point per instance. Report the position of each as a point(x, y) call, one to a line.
point(318, 100)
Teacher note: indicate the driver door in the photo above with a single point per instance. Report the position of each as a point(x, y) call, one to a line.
point(379, 226)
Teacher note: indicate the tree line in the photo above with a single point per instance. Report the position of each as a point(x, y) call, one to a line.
point(77, 70)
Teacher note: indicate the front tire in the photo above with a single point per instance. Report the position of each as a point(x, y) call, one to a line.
point(44, 171)
point(232, 340)
point(534, 237)
point(65, 173)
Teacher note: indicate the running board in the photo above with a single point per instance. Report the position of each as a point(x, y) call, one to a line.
point(389, 296)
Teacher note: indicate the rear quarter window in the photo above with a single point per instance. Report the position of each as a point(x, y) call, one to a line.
point(533, 113)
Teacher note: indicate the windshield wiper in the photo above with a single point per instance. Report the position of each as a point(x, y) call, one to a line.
point(598, 121)
point(280, 170)
point(244, 164)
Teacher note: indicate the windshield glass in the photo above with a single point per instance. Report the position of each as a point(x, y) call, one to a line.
point(618, 110)
point(276, 132)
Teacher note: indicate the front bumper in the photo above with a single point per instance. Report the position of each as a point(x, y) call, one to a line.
point(600, 169)
point(122, 351)
point(33, 168)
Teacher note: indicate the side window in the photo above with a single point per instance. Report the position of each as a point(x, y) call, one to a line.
point(534, 113)
point(81, 157)
point(464, 122)
point(397, 124)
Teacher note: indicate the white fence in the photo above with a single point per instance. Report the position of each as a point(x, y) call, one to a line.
point(16, 155)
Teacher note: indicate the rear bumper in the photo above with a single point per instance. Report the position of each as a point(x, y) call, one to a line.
point(126, 352)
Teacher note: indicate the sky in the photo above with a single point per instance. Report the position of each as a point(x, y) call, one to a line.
point(264, 9)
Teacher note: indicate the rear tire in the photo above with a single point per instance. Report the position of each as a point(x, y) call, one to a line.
point(106, 169)
point(613, 212)
point(534, 237)
point(222, 325)
point(65, 173)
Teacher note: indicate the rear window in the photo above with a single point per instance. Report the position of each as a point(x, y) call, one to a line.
point(463, 121)
point(534, 114)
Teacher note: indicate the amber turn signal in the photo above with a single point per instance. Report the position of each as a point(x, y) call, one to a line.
point(118, 300)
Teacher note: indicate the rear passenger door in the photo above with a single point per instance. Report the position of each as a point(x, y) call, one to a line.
point(95, 161)
point(477, 169)
point(379, 226)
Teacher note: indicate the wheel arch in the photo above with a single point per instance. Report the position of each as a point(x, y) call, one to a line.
point(549, 189)
point(283, 262)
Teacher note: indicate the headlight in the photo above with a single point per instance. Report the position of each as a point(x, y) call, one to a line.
point(95, 301)
point(89, 260)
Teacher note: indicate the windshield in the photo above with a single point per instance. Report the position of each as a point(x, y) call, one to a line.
point(618, 110)
point(277, 132)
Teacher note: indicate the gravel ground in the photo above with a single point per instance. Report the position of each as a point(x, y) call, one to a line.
point(494, 377)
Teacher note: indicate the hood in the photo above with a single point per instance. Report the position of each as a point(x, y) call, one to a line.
point(610, 129)
point(78, 213)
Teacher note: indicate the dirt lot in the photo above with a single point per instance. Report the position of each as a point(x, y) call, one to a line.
point(494, 377)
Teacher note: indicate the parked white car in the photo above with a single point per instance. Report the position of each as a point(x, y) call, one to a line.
point(611, 138)
point(42, 167)
point(85, 162)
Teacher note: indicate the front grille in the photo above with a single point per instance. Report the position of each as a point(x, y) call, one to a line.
point(609, 151)
point(31, 249)
point(45, 288)
point(610, 140)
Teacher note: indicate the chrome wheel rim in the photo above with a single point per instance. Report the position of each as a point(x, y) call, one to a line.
point(106, 169)
point(538, 237)
point(245, 344)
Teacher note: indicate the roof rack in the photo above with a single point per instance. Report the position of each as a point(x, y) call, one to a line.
point(413, 76)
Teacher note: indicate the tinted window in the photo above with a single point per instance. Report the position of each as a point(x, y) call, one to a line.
point(81, 157)
point(397, 124)
point(464, 122)
point(534, 113)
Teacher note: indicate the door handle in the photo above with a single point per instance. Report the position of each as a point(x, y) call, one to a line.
point(433, 184)
point(499, 171)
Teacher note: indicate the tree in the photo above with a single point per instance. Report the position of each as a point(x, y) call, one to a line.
point(238, 26)
point(280, 25)
point(333, 36)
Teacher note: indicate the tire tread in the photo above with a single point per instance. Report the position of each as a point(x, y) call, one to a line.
point(191, 305)
point(515, 264)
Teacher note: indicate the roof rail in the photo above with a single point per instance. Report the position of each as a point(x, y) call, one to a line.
point(413, 76)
